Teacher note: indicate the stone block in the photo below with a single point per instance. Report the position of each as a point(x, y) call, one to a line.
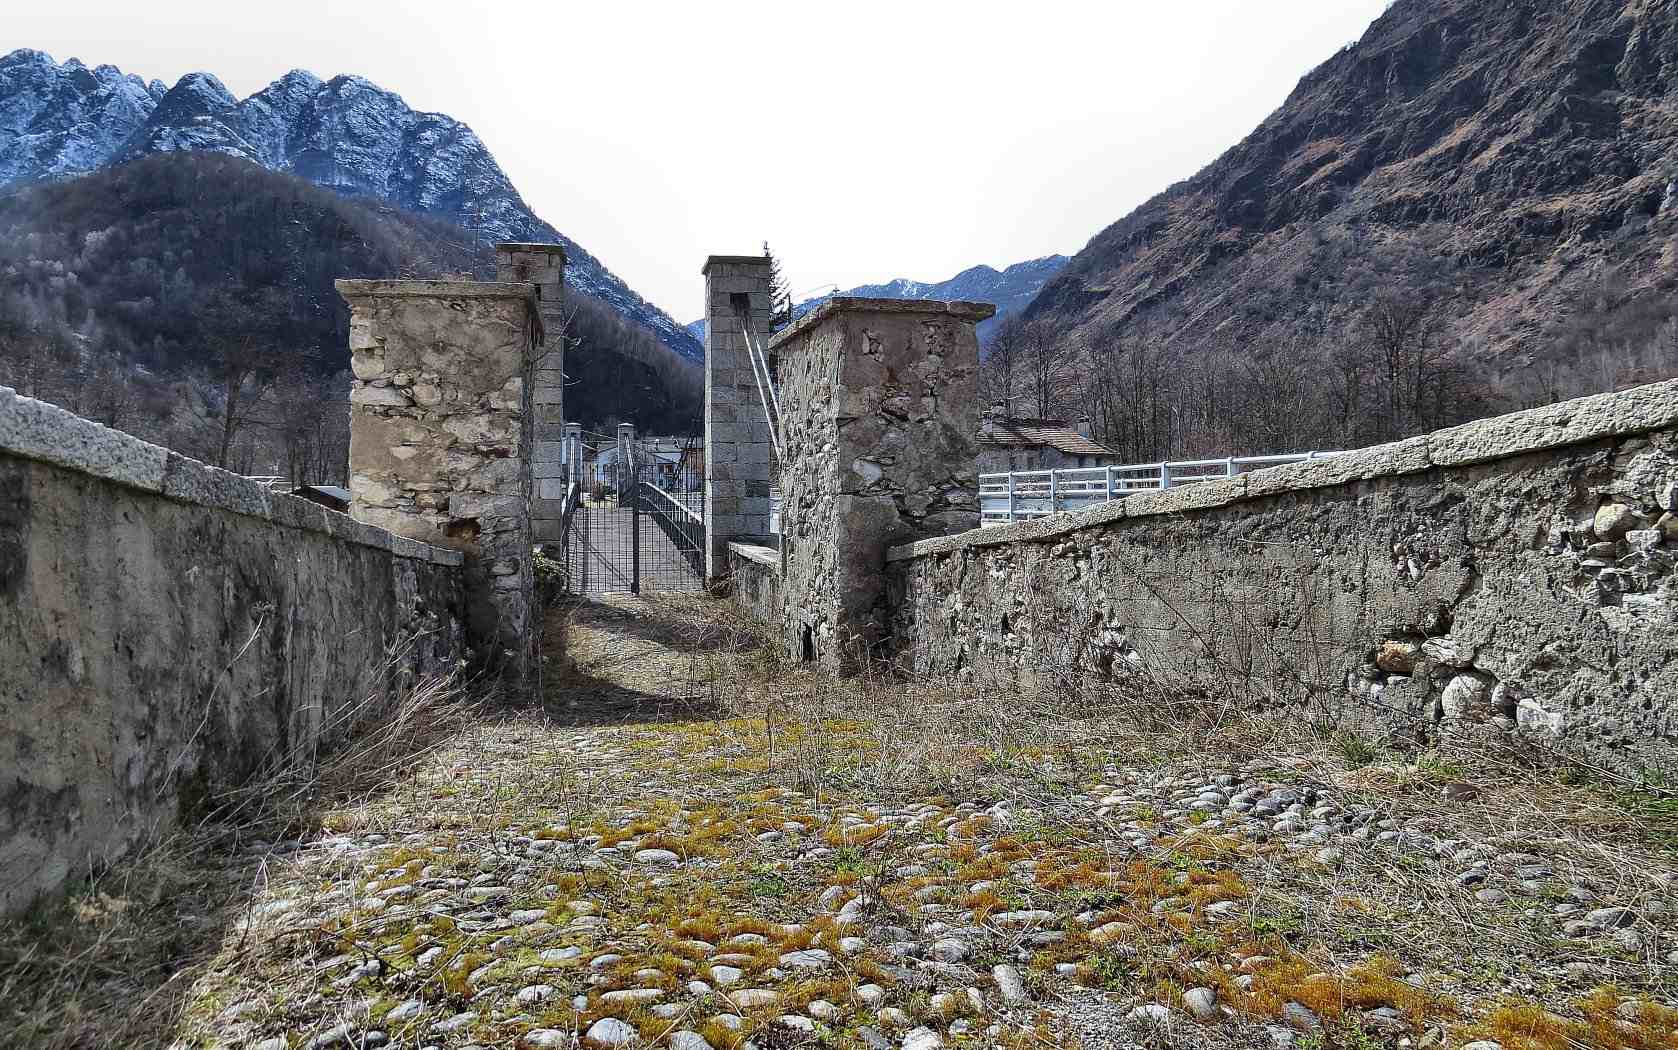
point(1182, 498)
point(1584, 419)
point(296, 512)
point(36, 430)
point(548, 452)
point(190, 481)
point(1401, 457)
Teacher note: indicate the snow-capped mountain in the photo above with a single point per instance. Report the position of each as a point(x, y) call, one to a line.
point(66, 119)
point(346, 134)
point(1010, 289)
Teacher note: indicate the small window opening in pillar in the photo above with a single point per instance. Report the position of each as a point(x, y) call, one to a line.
point(807, 645)
point(462, 529)
point(740, 303)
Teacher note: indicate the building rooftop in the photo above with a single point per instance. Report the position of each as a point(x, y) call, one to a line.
point(1011, 432)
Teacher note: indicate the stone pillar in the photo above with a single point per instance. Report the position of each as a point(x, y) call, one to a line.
point(625, 465)
point(738, 451)
point(574, 453)
point(543, 265)
point(440, 441)
point(879, 423)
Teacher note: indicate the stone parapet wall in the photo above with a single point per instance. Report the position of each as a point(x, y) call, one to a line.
point(1514, 575)
point(440, 437)
point(168, 630)
point(754, 580)
point(878, 415)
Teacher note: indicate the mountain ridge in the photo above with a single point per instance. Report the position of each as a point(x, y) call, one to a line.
point(1505, 163)
point(346, 134)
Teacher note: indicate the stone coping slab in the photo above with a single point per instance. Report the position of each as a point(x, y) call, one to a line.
point(390, 289)
point(957, 308)
point(732, 260)
point(45, 433)
point(546, 247)
point(753, 552)
point(1598, 417)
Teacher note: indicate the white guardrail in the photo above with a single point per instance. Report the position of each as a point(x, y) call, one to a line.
point(1026, 494)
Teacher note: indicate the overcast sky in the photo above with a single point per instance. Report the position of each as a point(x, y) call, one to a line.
point(864, 141)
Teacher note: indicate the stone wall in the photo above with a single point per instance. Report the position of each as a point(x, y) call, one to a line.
point(1514, 575)
point(440, 440)
point(878, 417)
point(739, 453)
point(168, 629)
point(543, 265)
point(754, 580)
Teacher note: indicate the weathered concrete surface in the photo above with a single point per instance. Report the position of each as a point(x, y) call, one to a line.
point(441, 436)
point(739, 449)
point(543, 265)
point(879, 408)
point(1513, 575)
point(754, 580)
point(168, 629)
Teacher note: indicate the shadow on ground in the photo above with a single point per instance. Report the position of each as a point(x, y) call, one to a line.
point(627, 659)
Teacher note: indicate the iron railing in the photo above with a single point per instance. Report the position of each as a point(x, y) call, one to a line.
point(1025, 494)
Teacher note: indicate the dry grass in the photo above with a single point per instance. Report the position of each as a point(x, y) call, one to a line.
point(113, 962)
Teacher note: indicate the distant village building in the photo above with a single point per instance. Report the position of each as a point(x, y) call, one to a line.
point(674, 464)
point(1010, 443)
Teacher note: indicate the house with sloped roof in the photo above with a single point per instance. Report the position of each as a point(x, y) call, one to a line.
point(1009, 443)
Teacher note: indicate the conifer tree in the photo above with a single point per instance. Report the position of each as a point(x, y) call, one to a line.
point(780, 296)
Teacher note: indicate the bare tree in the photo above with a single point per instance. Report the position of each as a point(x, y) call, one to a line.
point(1047, 367)
point(1001, 360)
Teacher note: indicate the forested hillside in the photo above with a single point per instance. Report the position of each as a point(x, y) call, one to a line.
point(1473, 209)
point(188, 298)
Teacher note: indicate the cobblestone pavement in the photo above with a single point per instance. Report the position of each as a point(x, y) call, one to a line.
point(632, 866)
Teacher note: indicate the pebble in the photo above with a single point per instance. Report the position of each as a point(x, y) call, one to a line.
point(807, 959)
point(1201, 1002)
point(923, 1039)
point(1300, 1017)
point(610, 1032)
point(405, 1010)
point(1149, 1014)
point(686, 1040)
point(656, 856)
point(1008, 983)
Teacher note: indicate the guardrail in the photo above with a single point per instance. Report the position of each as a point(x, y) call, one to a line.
point(1025, 494)
point(680, 522)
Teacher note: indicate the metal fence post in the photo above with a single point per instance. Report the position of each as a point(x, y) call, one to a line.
point(1054, 492)
point(1165, 475)
point(635, 535)
point(1011, 511)
point(1109, 483)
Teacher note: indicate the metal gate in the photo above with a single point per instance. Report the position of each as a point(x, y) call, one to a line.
point(637, 521)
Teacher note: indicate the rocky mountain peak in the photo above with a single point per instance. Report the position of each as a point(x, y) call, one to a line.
point(347, 134)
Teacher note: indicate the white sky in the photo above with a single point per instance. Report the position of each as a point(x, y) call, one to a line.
point(864, 140)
